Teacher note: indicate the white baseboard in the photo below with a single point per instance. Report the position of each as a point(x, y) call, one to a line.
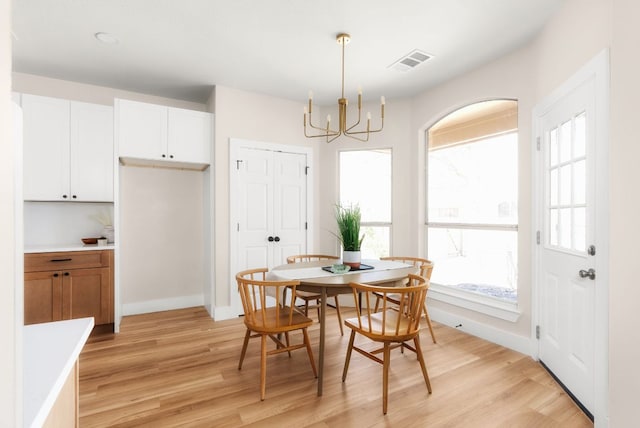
point(512, 341)
point(224, 313)
point(162, 304)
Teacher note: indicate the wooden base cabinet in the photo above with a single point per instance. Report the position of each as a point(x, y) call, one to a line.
point(68, 285)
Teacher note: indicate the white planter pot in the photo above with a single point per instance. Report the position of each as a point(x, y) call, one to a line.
point(351, 258)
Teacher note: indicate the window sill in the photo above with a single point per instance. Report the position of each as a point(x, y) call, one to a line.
point(483, 304)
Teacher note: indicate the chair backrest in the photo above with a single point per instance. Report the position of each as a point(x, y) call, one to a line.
point(402, 319)
point(256, 293)
point(425, 266)
point(310, 258)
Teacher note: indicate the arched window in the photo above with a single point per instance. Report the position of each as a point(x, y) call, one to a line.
point(472, 199)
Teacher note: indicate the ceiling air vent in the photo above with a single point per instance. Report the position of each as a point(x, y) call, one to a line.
point(410, 61)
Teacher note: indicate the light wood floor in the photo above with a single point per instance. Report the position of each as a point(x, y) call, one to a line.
point(179, 368)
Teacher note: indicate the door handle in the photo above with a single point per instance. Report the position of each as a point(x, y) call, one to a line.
point(591, 273)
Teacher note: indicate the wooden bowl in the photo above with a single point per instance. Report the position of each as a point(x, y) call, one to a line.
point(89, 241)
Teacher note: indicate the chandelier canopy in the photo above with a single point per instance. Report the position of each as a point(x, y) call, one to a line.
point(343, 128)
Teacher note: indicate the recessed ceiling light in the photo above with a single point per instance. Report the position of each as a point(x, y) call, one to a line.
point(107, 38)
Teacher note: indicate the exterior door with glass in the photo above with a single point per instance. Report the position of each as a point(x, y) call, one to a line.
point(570, 241)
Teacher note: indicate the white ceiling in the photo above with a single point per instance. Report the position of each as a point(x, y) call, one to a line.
point(181, 49)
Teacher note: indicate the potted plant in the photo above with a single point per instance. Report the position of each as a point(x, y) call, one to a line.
point(348, 219)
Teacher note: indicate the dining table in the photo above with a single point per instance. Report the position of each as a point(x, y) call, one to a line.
point(314, 278)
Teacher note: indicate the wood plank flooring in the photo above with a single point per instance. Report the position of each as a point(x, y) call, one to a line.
point(179, 368)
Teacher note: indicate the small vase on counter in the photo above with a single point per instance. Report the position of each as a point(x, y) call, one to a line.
point(107, 232)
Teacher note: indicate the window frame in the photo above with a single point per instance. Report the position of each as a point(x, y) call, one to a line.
point(493, 306)
point(380, 224)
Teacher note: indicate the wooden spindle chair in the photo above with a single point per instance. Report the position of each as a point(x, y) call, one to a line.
point(426, 268)
point(309, 296)
point(266, 321)
point(395, 325)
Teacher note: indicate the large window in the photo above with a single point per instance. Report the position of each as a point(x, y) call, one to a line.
point(365, 179)
point(472, 211)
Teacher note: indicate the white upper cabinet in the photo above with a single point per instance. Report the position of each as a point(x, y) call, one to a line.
point(92, 157)
point(68, 150)
point(189, 135)
point(153, 134)
point(141, 130)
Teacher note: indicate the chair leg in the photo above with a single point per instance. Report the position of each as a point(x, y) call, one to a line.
point(286, 338)
point(385, 376)
point(309, 352)
point(426, 316)
point(416, 341)
point(339, 315)
point(244, 348)
point(263, 366)
point(306, 308)
point(348, 358)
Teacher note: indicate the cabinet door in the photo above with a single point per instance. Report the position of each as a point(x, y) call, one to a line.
point(91, 143)
point(141, 130)
point(86, 293)
point(189, 135)
point(46, 148)
point(42, 297)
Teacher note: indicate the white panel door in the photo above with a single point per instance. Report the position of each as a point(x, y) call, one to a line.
point(255, 208)
point(92, 157)
point(269, 194)
point(290, 208)
point(573, 245)
point(46, 148)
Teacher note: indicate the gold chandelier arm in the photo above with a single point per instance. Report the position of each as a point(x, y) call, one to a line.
point(327, 132)
point(369, 131)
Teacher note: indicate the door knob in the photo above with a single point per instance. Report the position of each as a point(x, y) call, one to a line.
point(591, 273)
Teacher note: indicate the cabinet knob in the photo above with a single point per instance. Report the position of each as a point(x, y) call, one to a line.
point(55, 275)
point(66, 274)
point(64, 196)
point(164, 156)
point(74, 196)
point(171, 156)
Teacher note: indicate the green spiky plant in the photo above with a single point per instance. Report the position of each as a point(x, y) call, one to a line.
point(348, 219)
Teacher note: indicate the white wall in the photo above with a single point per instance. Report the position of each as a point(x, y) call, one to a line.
point(10, 329)
point(624, 295)
point(250, 116)
point(161, 239)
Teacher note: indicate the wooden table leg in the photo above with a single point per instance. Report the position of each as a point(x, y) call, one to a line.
point(323, 309)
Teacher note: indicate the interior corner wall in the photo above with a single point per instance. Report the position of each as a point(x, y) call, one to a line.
point(250, 116)
point(624, 293)
point(10, 330)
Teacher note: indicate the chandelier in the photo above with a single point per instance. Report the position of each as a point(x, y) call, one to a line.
point(343, 128)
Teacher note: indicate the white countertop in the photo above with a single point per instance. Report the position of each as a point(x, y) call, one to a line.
point(66, 247)
point(50, 350)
